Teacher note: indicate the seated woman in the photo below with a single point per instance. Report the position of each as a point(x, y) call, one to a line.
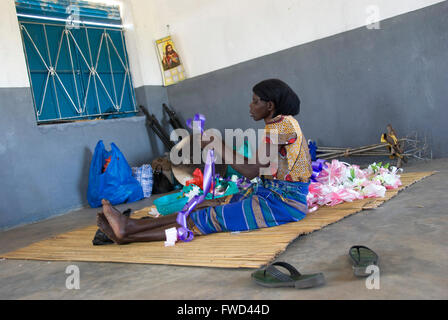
point(279, 199)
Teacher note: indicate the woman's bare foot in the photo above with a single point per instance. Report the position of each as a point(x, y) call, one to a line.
point(104, 226)
point(117, 221)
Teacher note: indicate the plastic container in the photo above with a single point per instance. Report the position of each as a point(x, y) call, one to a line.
point(170, 203)
point(175, 202)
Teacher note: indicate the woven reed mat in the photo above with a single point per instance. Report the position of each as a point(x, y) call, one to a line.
point(229, 250)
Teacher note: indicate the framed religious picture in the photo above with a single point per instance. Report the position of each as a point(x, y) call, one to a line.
point(170, 62)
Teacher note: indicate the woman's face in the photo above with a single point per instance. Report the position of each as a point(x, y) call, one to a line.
point(259, 109)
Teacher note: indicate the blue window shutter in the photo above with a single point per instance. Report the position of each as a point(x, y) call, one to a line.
point(77, 72)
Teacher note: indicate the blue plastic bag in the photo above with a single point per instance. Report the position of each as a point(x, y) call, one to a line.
point(116, 183)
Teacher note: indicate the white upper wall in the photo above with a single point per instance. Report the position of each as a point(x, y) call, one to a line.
point(140, 21)
point(12, 59)
point(212, 34)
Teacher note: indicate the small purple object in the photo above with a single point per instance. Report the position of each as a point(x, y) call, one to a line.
point(317, 166)
point(198, 117)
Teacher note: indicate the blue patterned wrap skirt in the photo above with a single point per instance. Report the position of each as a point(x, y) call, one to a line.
point(267, 204)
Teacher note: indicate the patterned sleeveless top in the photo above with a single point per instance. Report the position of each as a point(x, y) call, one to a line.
point(294, 161)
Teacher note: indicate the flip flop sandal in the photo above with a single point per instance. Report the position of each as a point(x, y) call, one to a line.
point(362, 257)
point(274, 278)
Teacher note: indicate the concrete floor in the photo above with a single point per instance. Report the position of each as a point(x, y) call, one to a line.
point(408, 232)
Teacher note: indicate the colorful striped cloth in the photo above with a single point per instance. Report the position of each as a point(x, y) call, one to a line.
point(268, 204)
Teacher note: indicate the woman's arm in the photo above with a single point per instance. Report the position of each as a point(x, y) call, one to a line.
point(247, 167)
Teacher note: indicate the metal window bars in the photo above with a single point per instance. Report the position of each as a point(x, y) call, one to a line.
point(76, 101)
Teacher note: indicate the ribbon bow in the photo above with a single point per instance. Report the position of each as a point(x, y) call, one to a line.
point(199, 120)
point(317, 166)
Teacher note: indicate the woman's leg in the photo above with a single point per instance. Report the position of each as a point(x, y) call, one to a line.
point(122, 229)
point(123, 226)
point(155, 234)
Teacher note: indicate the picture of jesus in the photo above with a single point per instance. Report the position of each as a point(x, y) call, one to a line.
point(170, 58)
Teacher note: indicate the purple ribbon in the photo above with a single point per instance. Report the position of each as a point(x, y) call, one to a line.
point(198, 119)
point(317, 166)
point(183, 233)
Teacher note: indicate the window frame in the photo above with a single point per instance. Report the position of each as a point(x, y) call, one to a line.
point(93, 73)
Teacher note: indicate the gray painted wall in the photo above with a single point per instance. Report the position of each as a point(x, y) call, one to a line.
point(44, 169)
point(152, 98)
point(351, 85)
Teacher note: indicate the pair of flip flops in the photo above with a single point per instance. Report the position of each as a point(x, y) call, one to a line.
point(272, 277)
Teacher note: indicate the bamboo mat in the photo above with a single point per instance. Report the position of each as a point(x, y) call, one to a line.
point(228, 250)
